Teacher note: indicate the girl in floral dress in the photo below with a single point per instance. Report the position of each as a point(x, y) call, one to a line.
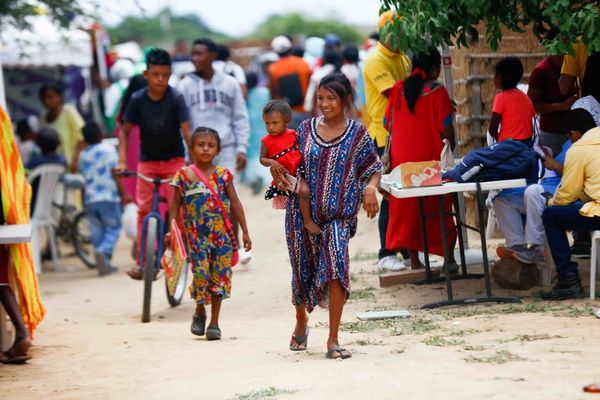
point(209, 244)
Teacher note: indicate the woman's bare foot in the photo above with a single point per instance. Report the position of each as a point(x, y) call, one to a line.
point(312, 227)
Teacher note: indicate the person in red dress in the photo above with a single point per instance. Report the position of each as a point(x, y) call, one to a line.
point(421, 114)
point(281, 145)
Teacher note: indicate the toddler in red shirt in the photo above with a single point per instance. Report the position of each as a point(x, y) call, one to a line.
point(279, 151)
point(513, 112)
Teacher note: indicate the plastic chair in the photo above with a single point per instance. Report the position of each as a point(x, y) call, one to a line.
point(594, 263)
point(47, 177)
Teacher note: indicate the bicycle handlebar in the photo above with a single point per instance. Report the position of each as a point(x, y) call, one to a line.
point(142, 176)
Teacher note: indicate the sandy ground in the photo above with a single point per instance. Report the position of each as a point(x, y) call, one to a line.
point(92, 344)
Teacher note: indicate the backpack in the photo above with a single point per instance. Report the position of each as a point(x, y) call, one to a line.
point(510, 159)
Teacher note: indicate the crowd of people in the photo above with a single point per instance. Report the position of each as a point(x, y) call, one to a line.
point(294, 128)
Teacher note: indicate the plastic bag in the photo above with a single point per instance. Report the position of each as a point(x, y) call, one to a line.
point(446, 157)
point(173, 260)
point(129, 220)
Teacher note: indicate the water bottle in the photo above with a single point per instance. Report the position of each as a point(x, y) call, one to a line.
point(468, 174)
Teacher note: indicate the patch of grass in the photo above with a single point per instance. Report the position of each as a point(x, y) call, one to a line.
point(353, 277)
point(263, 393)
point(368, 342)
point(397, 351)
point(501, 357)
point(558, 309)
point(441, 341)
point(365, 326)
point(362, 255)
point(531, 338)
point(417, 326)
point(365, 293)
point(469, 347)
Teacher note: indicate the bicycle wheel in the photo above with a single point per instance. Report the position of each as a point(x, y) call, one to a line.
point(176, 285)
point(82, 239)
point(149, 265)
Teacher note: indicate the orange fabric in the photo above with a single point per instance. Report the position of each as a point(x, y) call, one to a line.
point(16, 198)
point(288, 65)
point(517, 113)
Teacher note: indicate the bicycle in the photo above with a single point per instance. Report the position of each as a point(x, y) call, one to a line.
point(72, 224)
point(154, 229)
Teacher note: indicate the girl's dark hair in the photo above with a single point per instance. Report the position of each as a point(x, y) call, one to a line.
point(251, 79)
point(23, 128)
point(223, 52)
point(350, 54)
point(278, 106)
point(203, 130)
point(413, 85)
point(92, 133)
point(211, 45)
point(47, 139)
point(332, 57)
point(340, 85)
point(580, 120)
point(510, 71)
point(158, 57)
point(50, 87)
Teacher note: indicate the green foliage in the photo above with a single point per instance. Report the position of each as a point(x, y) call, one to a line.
point(264, 393)
point(13, 12)
point(297, 24)
point(162, 29)
point(441, 21)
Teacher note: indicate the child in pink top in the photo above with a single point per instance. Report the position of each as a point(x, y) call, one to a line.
point(513, 112)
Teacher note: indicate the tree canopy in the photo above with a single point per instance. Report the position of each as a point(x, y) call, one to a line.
point(297, 24)
point(13, 12)
point(441, 22)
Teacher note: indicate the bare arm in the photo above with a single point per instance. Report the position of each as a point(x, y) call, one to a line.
point(238, 211)
point(544, 108)
point(75, 163)
point(494, 125)
point(449, 135)
point(125, 196)
point(370, 203)
point(277, 170)
point(567, 85)
point(123, 141)
point(174, 207)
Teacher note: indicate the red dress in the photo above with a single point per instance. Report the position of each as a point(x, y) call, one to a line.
point(284, 149)
point(418, 137)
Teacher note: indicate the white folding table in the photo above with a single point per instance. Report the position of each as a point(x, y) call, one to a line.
point(453, 188)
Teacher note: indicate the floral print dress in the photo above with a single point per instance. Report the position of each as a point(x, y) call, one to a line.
point(209, 246)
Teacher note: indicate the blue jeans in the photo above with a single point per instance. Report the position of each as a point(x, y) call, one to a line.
point(104, 218)
point(557, 221)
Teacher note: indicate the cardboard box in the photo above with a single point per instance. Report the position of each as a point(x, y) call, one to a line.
point(422, 173)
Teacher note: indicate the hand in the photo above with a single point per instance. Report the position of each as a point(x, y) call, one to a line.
point(240, 162)
point(167, 239)
point(370, 203)
point(247, 242)
point(278, 172)
point(566, 104)
point(126, 198)
point(551, 163)
point(121, 165)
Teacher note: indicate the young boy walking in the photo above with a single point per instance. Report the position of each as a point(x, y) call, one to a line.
point(160, 112)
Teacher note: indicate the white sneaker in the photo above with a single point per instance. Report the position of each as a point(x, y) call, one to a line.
point(406, 262)
point(245, 256)
point(390, 263)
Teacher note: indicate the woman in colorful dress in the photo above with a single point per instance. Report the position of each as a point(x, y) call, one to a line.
point(342, 170)
point(421, 115)
point(211, 244)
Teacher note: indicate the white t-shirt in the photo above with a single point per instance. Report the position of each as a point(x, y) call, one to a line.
point(230, 68)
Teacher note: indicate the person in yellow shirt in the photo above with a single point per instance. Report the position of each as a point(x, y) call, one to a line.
point(383, 67)
point(65, 119)
point(580, 73)
point(576, 203)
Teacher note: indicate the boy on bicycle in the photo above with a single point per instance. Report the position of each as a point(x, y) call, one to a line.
point(160, 112)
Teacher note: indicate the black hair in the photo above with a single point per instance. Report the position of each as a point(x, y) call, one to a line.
point(580, 119)
point(350, 54)
point(47, 139)
point(333, 57)
point(23, 129)
point(223, 52)
point(50, 87)
point(203, 130)
point(340, 85)
point(297, 51)
point(212, 46)
point(510, 71)
point(158, 56)
point(136, 83)
point(92, 133)
point(374, 36)
point(278, 106)
point(251, 79)
point(413, 85)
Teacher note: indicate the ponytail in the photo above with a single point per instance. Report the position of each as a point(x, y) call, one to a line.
point(423, 65)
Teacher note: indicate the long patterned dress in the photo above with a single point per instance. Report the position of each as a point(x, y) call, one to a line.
point(336, 173)
point(209, 245)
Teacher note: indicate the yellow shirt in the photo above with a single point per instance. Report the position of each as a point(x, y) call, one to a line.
point(68, 126)
point(581, 176)
point(575, 65)
point(381, 70)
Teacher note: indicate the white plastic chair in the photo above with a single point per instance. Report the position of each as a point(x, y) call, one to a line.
point(595, 259)
point(47, 177)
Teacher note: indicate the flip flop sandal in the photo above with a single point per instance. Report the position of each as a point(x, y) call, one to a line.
point(213, 333)
point(16, 360)
point(341, 353)
point(198, 325)
point(301, 341)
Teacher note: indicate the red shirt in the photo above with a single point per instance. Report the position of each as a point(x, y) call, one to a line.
point(517, 114)
point(284, 149)
point(545, 79)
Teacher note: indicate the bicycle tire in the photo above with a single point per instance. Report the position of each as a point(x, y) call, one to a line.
point(149, 266)
point(180, 286)
point(82, 239)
